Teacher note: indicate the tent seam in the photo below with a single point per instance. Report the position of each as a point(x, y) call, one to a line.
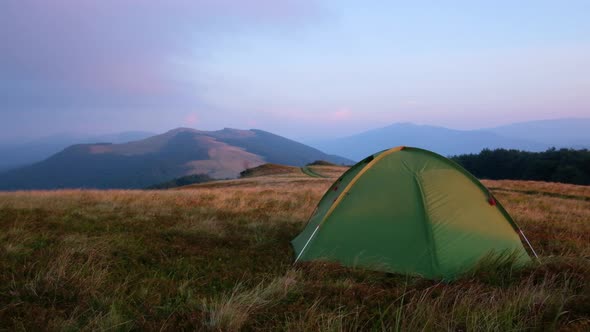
point(485, 189)
point(475, 181)
point(326, 195)
point(355, 179)
point(428, 226)
point(345, 192)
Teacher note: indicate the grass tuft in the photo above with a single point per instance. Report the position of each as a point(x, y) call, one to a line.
point(230, 312)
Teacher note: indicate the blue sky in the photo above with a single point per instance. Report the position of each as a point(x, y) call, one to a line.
point(303, 69)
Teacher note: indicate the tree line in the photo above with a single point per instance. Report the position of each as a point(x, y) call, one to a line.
point(553, 165)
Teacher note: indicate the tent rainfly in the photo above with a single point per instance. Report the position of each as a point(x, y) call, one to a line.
point(412, 211)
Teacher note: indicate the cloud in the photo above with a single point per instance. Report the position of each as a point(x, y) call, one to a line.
point(116, 52)
point(343, 114)
point(191, 119)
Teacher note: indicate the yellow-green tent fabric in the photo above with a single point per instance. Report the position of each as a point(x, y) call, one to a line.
point(409, 210)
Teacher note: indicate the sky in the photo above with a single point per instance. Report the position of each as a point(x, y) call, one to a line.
point(300, 68)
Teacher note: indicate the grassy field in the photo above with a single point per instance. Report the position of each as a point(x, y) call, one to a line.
point(216, 256)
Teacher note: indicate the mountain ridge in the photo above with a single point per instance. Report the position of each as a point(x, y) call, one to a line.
point(528, 136)
point(28, 152)
point(175, 153)
point(565, 132)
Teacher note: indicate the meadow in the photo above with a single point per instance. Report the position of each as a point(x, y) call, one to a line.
point(216, 256)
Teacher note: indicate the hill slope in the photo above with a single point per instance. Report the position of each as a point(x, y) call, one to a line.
point(177, 153)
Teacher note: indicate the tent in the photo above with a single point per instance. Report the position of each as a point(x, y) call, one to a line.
point(412, 211)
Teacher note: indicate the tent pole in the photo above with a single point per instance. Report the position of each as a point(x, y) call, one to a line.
point(527, 241)
point(306, 243)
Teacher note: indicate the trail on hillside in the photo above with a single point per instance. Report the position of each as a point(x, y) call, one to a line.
point(308, 171)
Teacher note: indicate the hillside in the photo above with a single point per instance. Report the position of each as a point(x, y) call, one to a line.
point(269, 169)
point(20, 154)
point(216, 256)
point(180, 152)
point(528, 136)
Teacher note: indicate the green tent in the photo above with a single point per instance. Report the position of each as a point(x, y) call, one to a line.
point(408, 210)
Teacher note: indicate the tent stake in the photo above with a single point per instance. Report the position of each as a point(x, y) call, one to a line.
point(306, 243)
point(527, 241)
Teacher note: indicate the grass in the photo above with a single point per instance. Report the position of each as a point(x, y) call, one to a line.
point(216, 256)
point(307, 170)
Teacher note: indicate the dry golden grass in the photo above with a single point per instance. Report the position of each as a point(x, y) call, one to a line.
point(216, 256)
point(329, 171)
point(538, 187)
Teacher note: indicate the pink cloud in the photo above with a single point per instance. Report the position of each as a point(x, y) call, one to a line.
point(343, 114)
point(191, 119)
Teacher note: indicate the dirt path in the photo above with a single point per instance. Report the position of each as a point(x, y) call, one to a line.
point(308, 171)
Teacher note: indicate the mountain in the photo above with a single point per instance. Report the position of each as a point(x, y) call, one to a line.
point(528, 136)
point(438, 139)
point(20, 154)
point(566, 133)
point(160, 158)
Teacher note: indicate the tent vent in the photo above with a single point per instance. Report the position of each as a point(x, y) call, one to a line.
point(492, 201)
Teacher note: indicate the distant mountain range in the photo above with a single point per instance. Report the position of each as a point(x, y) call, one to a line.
point(529, 136)
point(179, 152)
point(566, 133)
point(15, 155)
point(142, 159)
